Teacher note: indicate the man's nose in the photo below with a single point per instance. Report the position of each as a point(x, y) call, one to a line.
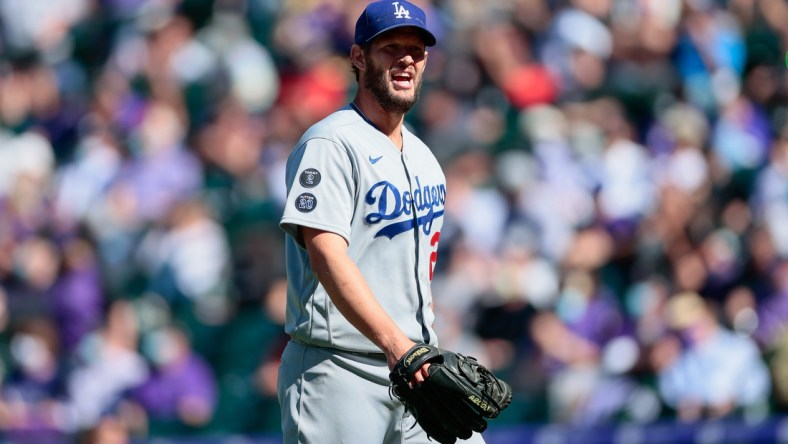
point(405, 59)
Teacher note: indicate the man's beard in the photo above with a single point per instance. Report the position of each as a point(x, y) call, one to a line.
point(375, 82)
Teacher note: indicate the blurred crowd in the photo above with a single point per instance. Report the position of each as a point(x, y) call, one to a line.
point(616, 233)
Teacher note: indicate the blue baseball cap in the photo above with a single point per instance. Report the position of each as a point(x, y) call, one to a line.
point(381, 16)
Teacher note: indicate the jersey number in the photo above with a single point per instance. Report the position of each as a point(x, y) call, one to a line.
point(434, 254)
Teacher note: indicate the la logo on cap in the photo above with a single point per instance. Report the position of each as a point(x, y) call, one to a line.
point(378, 18)
point(400, 11)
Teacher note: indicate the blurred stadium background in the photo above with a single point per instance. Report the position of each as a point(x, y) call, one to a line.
point(615, 242)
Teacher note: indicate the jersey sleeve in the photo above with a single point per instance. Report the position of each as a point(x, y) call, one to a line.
point(320, 189)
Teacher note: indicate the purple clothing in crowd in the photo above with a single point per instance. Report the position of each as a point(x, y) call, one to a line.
point(161, 180)
point(77, 305)
point(600, 322)
point(772, 318)
point(167, 387)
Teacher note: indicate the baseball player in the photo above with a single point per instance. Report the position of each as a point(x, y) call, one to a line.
point(363, 217)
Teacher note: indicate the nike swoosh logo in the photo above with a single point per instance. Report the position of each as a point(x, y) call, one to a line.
point(374, 160)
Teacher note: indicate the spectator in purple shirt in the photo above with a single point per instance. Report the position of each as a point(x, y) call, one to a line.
point(76, 294)
point(30, 392)
point(182, 387)
point(163, 171)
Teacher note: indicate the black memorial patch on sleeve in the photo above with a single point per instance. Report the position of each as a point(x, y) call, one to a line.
point(309, 178)
point(306, 203)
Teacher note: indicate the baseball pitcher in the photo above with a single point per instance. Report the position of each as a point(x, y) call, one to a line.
point(363, 219)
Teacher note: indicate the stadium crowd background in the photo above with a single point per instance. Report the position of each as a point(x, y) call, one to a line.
point(616, 233)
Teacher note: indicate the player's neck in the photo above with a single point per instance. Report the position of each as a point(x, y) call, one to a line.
point(386, 122)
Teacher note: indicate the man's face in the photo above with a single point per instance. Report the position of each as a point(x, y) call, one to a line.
point(395, 63)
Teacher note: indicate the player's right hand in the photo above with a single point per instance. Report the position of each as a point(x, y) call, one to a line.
point(419, 376)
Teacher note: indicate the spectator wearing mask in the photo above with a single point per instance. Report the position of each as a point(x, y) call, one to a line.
point(717, 372)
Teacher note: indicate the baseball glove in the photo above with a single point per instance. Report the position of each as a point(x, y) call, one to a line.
point(456, 398)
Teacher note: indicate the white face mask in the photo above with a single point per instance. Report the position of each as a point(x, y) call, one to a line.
point(30, 353)
point(160, 347)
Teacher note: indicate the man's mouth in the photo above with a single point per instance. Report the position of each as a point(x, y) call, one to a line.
point(402, 80)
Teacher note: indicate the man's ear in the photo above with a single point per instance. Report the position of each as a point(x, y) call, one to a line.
point(357, 57)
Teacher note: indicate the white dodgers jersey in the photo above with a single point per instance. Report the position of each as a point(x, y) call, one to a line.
point(346, 177)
